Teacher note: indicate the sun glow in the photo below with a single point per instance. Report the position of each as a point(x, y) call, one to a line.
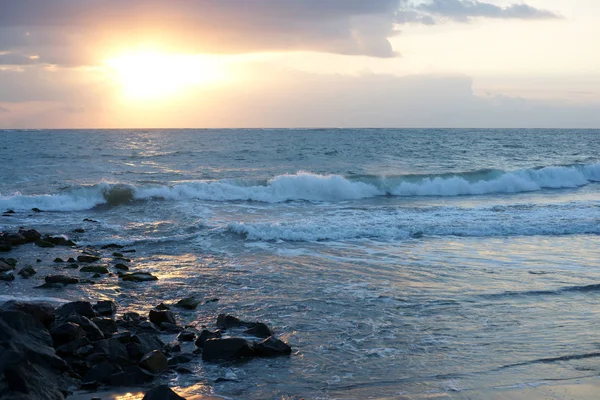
point(153, 75)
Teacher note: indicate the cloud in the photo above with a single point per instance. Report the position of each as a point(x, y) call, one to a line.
point(4, 110)
point(465, 10)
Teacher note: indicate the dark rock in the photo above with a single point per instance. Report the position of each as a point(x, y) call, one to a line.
point(130, 376)
point(92, 331)
point(139, 277)
point(5, 246)
point(37, 210)
point(118, 255)
point(205, 335)
point(83, 308)
point(27, 272)
point(128, 251)
point(181, 359)
point(162, 392)
point(113, 350)
point(272, 347)
point(10, 261)
point(58, 260)
point(107, 326)
point(112, 246)
point(100, 373)
point(162, 307)
point(148, 342)
point(172, 347)
point(130, 319)
point(189, 303)
point(65, 333)
point(184, 370)
point(71, 260)
point(122, 267)
point(87, 258)
point(106, 307)
point(31, 235)
point(70, 348)
point(123, 337)
point(97, 269)
point(16, 239)
point(79, 230)
point(123, 259)
point(260, 330)
point(29, 367)
point(41, 312)
point(43, 243)
point(228, 321)
point(62, 279)
point(5, 267)
point(154, 362)
point(73, 266)
point(7, 276)
point(211, 301)
point(158, 317)
point(59, 241)
point(97, 276)
point(169, 327)
point(186, 336)
point(9, 211)
point(148, 327)
point(89, 220)
point(227, 349)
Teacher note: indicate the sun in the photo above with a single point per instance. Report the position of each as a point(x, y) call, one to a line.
point(153, 75)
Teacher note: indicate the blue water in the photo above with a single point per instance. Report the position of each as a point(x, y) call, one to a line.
point(396, 262)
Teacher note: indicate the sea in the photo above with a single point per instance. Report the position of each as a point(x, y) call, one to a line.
point(398, 263)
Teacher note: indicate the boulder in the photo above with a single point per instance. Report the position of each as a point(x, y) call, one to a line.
point(91, 330)
point(111, 246)
point(162, 392)
point(97, 269)
point(259, 329)
point(139, 277)
point(181, 359)
point(130, 377)
point(87, 258)
point(16, 239)
point(162, 307)
point(154, 362)
point(186, 336)
point(10, 261)
point(59, 241)
point(227, 349)
point(7, 276)
point(227, 321)
point(61, 279)
point(79, 230)
point(189, 303)
point(65, 333)
point(5, 246)
point(106, 307)
point(41, 312)
point(99, 374)
point(113, 350)
point(37, 210)
point(43, 243)
point(27, 272)
point(107, 326)
point(272, 347)
point(83, 308)
point(121, 267)
point(205, 335)
point(30, 235)
point(58, 260)
point(5, 267)
point(71, 348)
point(158, 317)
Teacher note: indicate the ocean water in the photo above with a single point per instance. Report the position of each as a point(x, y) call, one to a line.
point(397, 263)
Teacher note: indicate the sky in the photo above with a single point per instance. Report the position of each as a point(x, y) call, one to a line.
point(299, 63)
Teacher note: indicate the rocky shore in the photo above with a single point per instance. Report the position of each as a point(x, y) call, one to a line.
point(49, 351)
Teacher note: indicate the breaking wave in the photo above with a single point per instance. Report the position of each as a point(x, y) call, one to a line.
point(305, 186)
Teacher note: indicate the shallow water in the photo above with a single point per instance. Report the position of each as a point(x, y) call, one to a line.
point(396, 262)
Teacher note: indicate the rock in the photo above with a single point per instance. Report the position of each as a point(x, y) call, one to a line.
point(27, 272)
point(97, 269)
point(272, 347)
point(170, 328)
point(172, 347)
point(184, 370)
point(186, 336)
point(43, 243)
point(139, 277)
point(62, 279)
point(16, 239)
point(41, 312)
point(205, 335)
point(118, 255)
point(7, 276)
point(91, 330)
point(87, 258)
point(129, 251)
point(106, 307)
point(106, 325)
point(227, 349)
point(113, 350)
point(154, 362)
point(228, 321)
point(148, 342)
point(5, 246)
point(71, 260)
point(83, 308)
point(162, 307)
point(181, 359)
point(70, 348)
point(5, 267)
point(260, 330)
point(122, 267)
point(79, 230)
point(123, 337)
point(37, 210)
point(59, 241)
point(211, 301)
point(31, 235)
point(112, 246)
point(73, 266)
point(10, 261)
point(89, 220)
point(130, 376)
point(162, 392)
point(65, 333)
point(99, 374)
point(131, 318)
point(58, 260)
point(11, 211)
point(158, 317)
point(29, 366)
point(189, 303)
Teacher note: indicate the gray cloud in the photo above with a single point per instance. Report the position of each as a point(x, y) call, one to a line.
point(464, 10)
point(4, 110)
